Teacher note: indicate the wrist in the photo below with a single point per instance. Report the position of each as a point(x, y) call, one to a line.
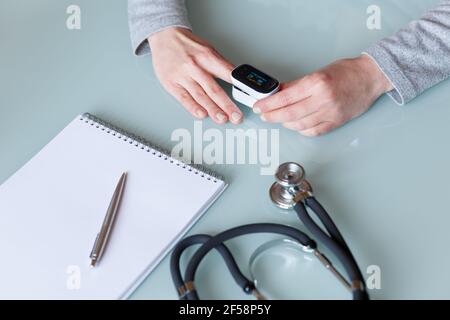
point(164, 34)
point(377, 80)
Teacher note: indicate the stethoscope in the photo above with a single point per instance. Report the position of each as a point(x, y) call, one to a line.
point(290, 191)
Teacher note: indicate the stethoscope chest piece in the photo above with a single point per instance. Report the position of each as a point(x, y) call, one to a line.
point(290, 186)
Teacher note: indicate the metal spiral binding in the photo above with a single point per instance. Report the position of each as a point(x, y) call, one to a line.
point(140, 142)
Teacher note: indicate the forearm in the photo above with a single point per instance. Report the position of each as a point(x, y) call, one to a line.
point(418, 56)
point(146, 17)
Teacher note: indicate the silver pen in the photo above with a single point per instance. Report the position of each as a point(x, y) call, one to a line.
point(103, 236)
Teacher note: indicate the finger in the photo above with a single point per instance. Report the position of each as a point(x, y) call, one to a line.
point(318, 130)
point(218, 66)
point(305, 123)
point(292, 112)
point(218, 95)
point(186, 100)
point(197, 92)
point(287, 84)
point(290, 94)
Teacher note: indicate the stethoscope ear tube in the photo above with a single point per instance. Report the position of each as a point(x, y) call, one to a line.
point(334, 242)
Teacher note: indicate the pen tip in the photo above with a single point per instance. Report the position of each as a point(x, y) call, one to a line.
point(93, 263)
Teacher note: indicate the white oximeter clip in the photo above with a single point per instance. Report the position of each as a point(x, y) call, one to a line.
point(251, 85)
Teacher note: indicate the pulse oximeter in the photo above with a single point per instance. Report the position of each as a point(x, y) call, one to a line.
point(251, 85)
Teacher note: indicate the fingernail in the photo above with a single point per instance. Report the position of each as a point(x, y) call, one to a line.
point(236, 116)
point(201, 114)
point(220, 116)
point(263, 118)
point(256, 110)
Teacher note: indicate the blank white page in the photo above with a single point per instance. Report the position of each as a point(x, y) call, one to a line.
point(52, 209)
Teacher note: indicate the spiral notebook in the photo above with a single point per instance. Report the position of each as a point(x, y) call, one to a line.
point(53, 207)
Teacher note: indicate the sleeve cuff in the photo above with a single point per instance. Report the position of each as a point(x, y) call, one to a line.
point(146, 29)
point(403, 89)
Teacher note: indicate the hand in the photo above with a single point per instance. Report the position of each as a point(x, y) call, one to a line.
point(186, 66)
point(327, 99)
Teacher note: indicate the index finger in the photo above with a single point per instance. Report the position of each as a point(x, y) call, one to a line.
point(290, 93)
point(218, 66)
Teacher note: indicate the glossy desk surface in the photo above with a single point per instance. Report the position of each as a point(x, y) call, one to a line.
point(384, 177)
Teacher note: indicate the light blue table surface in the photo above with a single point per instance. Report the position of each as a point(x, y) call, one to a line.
point(384, 177)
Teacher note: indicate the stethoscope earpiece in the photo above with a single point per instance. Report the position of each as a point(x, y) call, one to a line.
point(290, 186)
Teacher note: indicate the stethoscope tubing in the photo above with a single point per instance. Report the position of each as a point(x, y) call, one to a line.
point(246, 284)
point(333, 240)
point(220, 238)
point(331, 227)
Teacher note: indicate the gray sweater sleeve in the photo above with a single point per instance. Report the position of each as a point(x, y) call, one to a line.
point(414, 59)
point(418, 56)
point(146, 17)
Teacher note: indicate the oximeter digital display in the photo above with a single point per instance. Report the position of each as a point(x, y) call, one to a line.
point(251, 84)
